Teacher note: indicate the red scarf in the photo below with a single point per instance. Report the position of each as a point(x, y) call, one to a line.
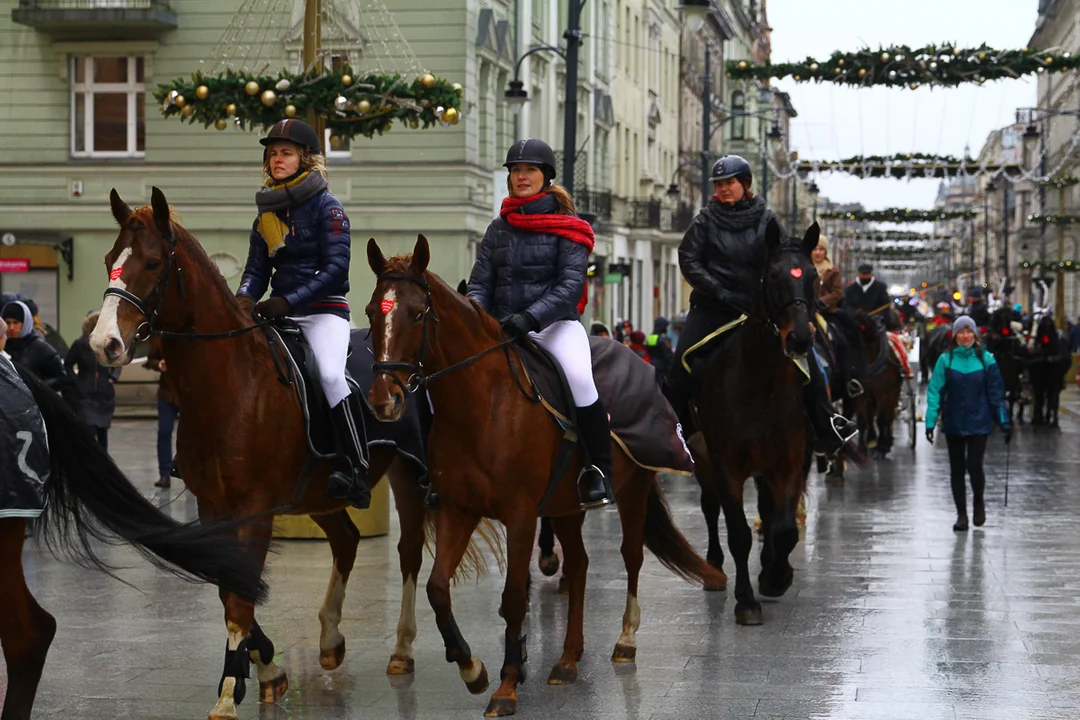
point(566, 226)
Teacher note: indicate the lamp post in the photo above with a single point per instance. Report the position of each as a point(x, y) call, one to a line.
point(814, 190)
point(990, 187)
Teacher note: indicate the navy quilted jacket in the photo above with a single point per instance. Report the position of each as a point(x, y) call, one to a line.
point(539, 273)
point(311, 271)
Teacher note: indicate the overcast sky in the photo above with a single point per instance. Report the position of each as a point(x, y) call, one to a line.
point(836, 121)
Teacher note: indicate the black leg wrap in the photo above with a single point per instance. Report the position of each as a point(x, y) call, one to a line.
point(238, 666)
point(456, 647)
point(261, 644)
point(517, 655)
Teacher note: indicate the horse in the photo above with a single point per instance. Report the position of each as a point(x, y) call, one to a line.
point(87, 499)
point(751, 422)
point(241, 445)
point(1049, 362)
point(493, 449)
point(875, 408)
point(934, 343)
point(1009, 352)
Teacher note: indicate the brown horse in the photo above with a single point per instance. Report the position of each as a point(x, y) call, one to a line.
point(750, 412)
point(241, 444)
point(875, 408)
point(88, 499)
point(492, 451)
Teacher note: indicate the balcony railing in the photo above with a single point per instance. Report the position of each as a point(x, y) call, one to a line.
point(596, 203)
point(97, 19)
point(643, 214)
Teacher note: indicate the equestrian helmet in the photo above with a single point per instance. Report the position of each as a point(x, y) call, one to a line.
point(732, 166)
point(532, 152)
point(296, 131)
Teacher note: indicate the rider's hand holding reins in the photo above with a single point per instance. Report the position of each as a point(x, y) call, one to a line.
point(275, 307)
point(519, 325)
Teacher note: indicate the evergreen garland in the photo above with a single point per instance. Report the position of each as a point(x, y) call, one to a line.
point(1054, 219)
point(898, 215)
point(902, 66)
point(1065, 265)
point(903, 165)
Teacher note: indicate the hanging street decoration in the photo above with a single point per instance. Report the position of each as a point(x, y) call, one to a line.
point(903, 166)
point(897, 252)
point(1064, 265)
point(1060, 182)
point(894, 236)
point(352, 106)
point(898, 215)
point(902, 66)
point(1052, 219)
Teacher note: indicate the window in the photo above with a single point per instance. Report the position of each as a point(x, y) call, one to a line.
point(336, 147)
point(108, 107)
point(738, 111)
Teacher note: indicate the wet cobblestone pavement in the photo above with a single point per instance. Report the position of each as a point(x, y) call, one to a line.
point(892, 615)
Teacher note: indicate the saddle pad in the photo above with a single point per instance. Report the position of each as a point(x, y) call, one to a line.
point(320, 429)
point(642, 421)
point(24, 448)
point(899, 352)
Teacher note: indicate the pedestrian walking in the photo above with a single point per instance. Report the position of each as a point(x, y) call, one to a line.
point(96, 398)
point(29, 349)
point(967, 394)
point(659, 347)
point(168, 412)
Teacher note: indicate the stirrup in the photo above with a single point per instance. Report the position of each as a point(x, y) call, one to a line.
point(854, 388)
point(838, 422)
point(593, 504)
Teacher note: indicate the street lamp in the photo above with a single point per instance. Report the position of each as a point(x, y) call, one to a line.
point(990, 187)
point(813, 189)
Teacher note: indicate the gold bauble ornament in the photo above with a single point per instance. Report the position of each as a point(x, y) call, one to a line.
point(221, 123)
point(840, 62)
point(862, 72)
point(982, 56)
point(451, 116)
point(230, 110)
point(335, 141)
point(1049, 60)
point(813, 67)
point(202, 92)
point(414, 123)
point(837, 70)
point(956, 52)
point(913, 85)
point(458, 88)
point(389, 124)
point(795, 78)
point(252, 88)
point(290, 111)
point(188, 110)
point(428, 80)
point(346, 80)
point(179, 101)
point(363, 107)
point(269, 97)
point(742, 64)
point(884, 57)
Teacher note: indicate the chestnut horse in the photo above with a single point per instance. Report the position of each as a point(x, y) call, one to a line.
point(241, 443)
point(492, 451)
point(752, 423)
point(88, 499)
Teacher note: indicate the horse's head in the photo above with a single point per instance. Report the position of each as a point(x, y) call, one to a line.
point(400, 319)
point(789, 288)
point(139, 266)
point(1046, 336)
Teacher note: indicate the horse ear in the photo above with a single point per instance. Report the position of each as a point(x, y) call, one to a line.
point(772, 235)
point(421, 255)
point(463, 288)
point(120, 209)
point(375, 258)
point(810, 239)
point(161, 212)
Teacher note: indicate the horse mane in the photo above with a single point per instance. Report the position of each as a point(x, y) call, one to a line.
point(402, 264)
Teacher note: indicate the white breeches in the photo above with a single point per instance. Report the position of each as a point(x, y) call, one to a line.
point(329, 338)
point(569, 343)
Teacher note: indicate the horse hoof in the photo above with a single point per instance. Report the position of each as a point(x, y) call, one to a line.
point(549, 564)
point(766, 588)
point(564, 586)
point(750, 616)
point(501, 707)
point(624, 654)
point(562, 674)
point(331, 659)
point(274, 690)
point(223, 716)
point(480, 684)
point(401, 666)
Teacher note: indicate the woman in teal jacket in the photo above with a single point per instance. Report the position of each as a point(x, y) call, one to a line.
point(967, 393)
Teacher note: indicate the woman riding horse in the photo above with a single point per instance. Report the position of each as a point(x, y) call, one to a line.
point(530, 273)
point(300, 248)
point(723, 257)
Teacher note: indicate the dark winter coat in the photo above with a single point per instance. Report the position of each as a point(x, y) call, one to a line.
point(39, 357)
point(541, 274)
point(978, 312)
point(96, 401)
point(869, 300)
point(311, 271)
point(967, 392)
point(723, 254)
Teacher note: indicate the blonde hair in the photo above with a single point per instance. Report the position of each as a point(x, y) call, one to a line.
point(562, 197)
point(309, 162)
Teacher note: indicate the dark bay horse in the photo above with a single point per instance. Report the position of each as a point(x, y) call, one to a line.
point(240, 445)
point(1047, 364)
point(88, 500)
point(875, 409)
point(492, 450)
point(1009, 352)
point(750, 412)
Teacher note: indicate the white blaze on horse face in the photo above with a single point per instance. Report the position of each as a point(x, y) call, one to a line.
point(108, 324)
point(390, 301)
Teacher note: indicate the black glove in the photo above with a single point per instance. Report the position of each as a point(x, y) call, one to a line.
point(732, 301)
point(930, 435)
point(1007, 429)
point(275, 307)
point(519, 325)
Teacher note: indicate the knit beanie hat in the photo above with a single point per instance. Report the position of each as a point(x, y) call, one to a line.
point(964, 321)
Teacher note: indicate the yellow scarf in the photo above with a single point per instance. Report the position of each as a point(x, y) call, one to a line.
point(271, 227)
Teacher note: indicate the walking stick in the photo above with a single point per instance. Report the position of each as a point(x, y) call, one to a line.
point(1008, 452)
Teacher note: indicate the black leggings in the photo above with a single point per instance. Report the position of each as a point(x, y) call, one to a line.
point(974, 447)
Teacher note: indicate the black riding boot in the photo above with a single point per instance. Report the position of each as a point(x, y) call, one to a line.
point(594, 483)
point(350, 482)
point(831, 430)
point(676, 388)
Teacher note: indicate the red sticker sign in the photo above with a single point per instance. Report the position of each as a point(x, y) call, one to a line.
point(796, 273)
point(115, 273)
point(387, 306)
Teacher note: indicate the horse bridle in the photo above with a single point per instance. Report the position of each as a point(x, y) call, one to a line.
point(772, 315)
point(418, 377)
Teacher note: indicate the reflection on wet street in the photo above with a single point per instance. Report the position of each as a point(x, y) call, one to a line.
point(892, 614)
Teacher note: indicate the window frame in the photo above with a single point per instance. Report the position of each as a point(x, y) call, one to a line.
point(738, 114)
point(89, 88)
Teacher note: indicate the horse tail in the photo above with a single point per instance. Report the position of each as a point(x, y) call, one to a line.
point(88, 499)
point(669, 545)
point(473, 563)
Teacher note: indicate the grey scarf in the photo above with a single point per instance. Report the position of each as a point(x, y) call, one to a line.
point(282, 196)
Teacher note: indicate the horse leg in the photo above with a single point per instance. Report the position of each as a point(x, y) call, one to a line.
point(632, 510)
point(740, 540)
point(549, 561)
point(411, 518)
point(26, 630)
point(273, 682)
point(776, 572)
point(568, 528)
point(344, 538)
point(453, 530)
point(519, 545)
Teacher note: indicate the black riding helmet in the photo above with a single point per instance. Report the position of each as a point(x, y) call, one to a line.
point(732, 166)
point(296, 131)
point(533, 152)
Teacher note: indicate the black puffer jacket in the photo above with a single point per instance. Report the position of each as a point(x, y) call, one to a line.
point(538, 273)
point(39, 357)
point(311, 271)
point(723, 254)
